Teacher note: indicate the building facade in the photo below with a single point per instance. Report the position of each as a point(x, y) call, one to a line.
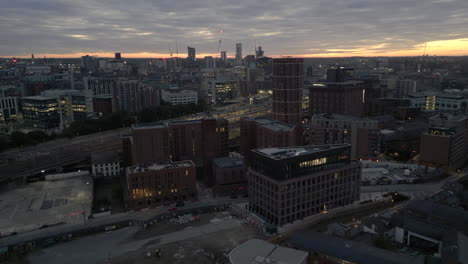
point(198, 140)
point(267, 133)
point(40, 112)
point(105, 164)
point(362, 134)
point(155, 184)
point(288, 83)
point(344, 98)
point(238, 53)
point(229, 174)
point(439, 101)
point(445, 143)
point(292, 183)
point(179, 96)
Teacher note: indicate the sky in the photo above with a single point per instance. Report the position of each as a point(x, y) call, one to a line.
point(305, 28)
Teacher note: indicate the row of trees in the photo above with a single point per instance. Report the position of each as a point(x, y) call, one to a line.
point(113, 121)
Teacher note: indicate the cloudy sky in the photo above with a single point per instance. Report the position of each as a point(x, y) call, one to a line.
point(311, 28)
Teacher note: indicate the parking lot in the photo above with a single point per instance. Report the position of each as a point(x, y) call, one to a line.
point(386, 173)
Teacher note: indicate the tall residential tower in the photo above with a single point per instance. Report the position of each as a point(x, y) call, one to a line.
point(288, 83)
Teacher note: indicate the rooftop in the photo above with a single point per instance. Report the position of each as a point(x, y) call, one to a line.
point(159, 166)
point(228, 162)
point(148, 125)
point(450, 117)
point(39, 97)
point(104, 157)
point(348, 250)
point(288, 152)
point(338, 117)
point(256, 251)
point(272, 124)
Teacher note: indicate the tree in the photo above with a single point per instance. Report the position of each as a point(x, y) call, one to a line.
point(21, 139)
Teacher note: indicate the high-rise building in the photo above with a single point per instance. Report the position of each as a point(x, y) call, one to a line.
point(155, 184)
point(267, 133)
point(238, 53)
point(118, 56)
point(445, 143)
point(339, 95)
point(405, 87)
point(288, 82)
point(191, 55)
point(259, 52)
point(9, 109)
point(292, 183)
point(223, 55)
point(209, 62)
point(362, 134)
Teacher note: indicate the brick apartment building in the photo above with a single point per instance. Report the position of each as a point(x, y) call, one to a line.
point(445, 143)
point(159, 183)
point(362, 134)
point(338, 95)
point(291, 183)
point(267, 133)
point(198, 140)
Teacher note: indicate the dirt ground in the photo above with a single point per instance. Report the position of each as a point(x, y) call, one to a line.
point(166, 226)
point(209, 248)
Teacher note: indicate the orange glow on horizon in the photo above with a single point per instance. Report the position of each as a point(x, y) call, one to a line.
point(454, 47)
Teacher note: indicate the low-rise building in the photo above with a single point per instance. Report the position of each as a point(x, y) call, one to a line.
point(445, 143)
point(105, 164)
point(229, 174)
point(179, 96)
point(159, 183)
point(325, 249)
point(261, 252)
point(439, 101)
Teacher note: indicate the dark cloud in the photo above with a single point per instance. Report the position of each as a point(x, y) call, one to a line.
point(281, 27)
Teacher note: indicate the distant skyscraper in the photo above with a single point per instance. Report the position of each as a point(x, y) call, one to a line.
point(209, 62)
point(259, 52)
point(238, 53)
point(288, 82)
point(223, 55)
point(191, 53)
point(118, 56)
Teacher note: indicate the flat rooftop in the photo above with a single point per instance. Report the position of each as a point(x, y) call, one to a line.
point(148, 126)
point(348, 250)
point(272, 124)
point(228, 162)
point(39, 98)
point(104, 157)
point(256, 251)
point(338, 117)
point(450, 117)
point(159, 166)
point(288, 152)
point(45, 203)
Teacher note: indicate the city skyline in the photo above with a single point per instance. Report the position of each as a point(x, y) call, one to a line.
point(319, 29)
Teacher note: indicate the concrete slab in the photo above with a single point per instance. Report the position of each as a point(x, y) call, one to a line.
point(45, 203)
